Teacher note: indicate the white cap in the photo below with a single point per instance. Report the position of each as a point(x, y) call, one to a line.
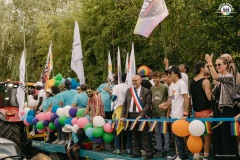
point(39, 84)
point(49, 91)
point(67, 128)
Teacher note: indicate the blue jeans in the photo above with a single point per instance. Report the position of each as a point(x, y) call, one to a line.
point(129, 140)
point(180, 146)
point(159, 139)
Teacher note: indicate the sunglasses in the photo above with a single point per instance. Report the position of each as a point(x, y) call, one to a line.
point(218, 65)
point(89, 92)
point(78, 88)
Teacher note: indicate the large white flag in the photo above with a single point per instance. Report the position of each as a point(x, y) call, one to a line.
point(110, 75)
point(49, 65)
point(119, 67)
point(77, 57)
point(132, 68)
point(151, 14)
point(21, 88)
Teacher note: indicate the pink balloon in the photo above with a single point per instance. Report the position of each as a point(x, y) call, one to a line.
point(74, 121)
point(107, 128)
point(41, 116)
point(22, 113)
point(25, 122)
point(48, 115)
point(41, 131)
point(82, 122)
point(49, 130)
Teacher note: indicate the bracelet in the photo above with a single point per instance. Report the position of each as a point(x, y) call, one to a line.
point(210, 64)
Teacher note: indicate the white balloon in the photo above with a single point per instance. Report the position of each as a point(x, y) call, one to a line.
point(32, 103)
point(75, 128)
point(26, 110)
point(66, 110)
point(60, 112)
point(98, 121)
point(196, 128)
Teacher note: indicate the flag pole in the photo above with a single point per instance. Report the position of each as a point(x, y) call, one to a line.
point(25, 57)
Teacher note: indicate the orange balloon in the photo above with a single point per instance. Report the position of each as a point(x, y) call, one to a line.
point(180, 128)
point(194, 144)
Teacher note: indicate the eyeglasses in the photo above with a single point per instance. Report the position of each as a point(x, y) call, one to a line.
point(89, 92)
point(218, 65)
point(78, 88)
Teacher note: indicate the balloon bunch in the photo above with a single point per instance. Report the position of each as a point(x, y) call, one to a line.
point(98, 131)
point(195, 129)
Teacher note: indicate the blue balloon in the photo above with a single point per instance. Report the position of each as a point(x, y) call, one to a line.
point(89, 132)
point(63, 80)
point(88, 117)
point(34, 121)
point(46, 122)
point(54, 108)
point(31, 113)
point(23, 117)
point(68, 121)
point(29, 119)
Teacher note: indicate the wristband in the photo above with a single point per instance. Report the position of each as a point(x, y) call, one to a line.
point(185, 114)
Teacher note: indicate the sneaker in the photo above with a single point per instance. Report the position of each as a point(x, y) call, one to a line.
point(129, 151)
point(196, 156)
point(32, 133)
point(163, 153)
point(47, 138)
point(117, 151)
point(62, 142)
point(156, 151)
point(174, 156)
point(178, 158)
point(56, 141)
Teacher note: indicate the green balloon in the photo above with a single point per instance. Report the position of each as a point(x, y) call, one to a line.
point(87, 126)
point(62, 119)
point(57, 83)
point(97, 132)
point(51, 126)
point(40, 125)
point(80, 112)
point(108, 137)
point(59, 77)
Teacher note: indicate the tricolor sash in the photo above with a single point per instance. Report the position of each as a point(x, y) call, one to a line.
point(136, 99)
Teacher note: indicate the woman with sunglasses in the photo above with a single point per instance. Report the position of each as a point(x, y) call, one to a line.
point(224, 145)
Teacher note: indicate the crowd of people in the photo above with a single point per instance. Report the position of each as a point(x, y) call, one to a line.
point(212, 92)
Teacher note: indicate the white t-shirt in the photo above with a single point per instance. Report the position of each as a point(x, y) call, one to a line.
point(185, 78)
point(170, 88)
point(41, 93)
point(119, 91)
point(178, 89)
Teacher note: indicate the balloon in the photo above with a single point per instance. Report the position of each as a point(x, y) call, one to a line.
point(70, 79)
point(29, 119)
point(74, 121)
point(75, 128)
point(82, 122)
point(22, 113)
point(58, 77)
point(23, 117)
point(89, 125)
point(25, 122)
point(63, 80)
point(48, 115)
point(52, 80)
point(88, 132)
point(49, 130)
point(40, 125)
point(34, 121)
point(31, 113)
point(98, 140)
point(54, 116)
point(54, 108)
point(180, 128)
point(56, 123)
point(108, 137)
point(68, 121)
point(196, 128)
point(62, 119)
point(74, 84)
point(73, 111)
point(41, 131)
point(97, 132)
point(80, 112)
point(45, 122)
point(107, 128)
point(60, 112)
point(57, 83)
point(32, 103)
point(194, 144)
point(66, 110)
point(41, 116)
point(26, 110)
point(51, 126)
point(98, 121)
point(88, 117)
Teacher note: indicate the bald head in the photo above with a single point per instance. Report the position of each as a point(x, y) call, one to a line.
point(136, 81)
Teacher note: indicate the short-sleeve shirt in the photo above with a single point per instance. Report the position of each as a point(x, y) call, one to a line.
point(81, 100)
point(42, 94)
point(179, 88)
point(94, 102)
point(68, 96)
point(119, 91)
point(57, 98)
point(46, 103)
point(105, 96)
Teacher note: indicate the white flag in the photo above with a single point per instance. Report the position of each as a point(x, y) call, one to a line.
point(77, 57)
point(21, 88)
point(110, 67)
point(132, 68)
point(151, 14)
point(127, 64)
point(119, 67)
point(49, 65)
